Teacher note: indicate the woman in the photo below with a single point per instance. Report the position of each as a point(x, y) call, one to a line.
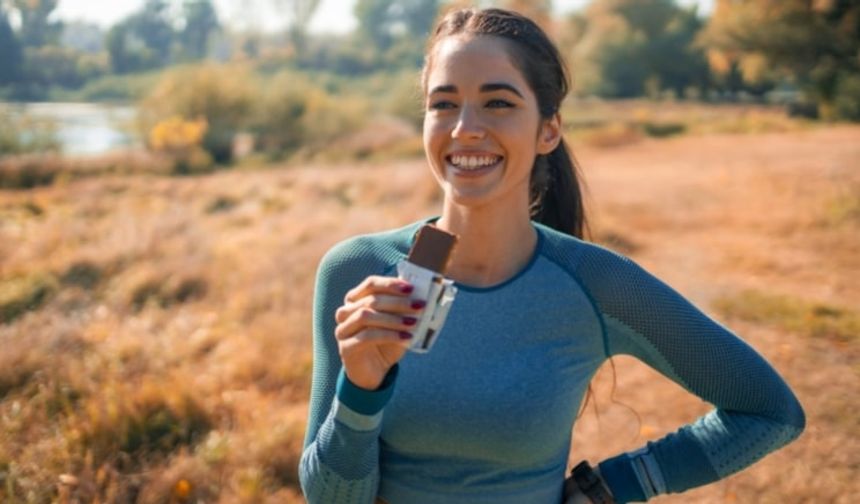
point(486, 416)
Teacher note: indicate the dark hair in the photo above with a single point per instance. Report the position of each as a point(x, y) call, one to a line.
point(555, 197)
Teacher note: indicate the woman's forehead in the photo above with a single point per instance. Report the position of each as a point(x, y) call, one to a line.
point(478, 58)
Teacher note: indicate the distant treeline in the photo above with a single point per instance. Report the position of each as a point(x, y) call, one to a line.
point(799, 52)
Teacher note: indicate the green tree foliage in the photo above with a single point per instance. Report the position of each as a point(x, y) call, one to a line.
point(201, 21)
point(11, 55)
point(625, 48)
point(814, 44)
point(58, 66)
point(143, 40)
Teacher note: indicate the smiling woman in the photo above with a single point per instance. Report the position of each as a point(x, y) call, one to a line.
point(486, 416)
point(483, 128)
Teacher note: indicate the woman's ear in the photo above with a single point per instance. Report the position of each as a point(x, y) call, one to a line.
point(550, 134)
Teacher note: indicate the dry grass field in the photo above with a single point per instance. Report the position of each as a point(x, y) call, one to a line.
point(155, 331)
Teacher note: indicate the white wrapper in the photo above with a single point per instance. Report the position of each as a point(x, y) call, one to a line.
point(439, 292)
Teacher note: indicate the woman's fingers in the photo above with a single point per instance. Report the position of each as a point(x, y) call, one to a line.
point(378, 285)
point(376, 335)
point(380, 303)
point(367, 318)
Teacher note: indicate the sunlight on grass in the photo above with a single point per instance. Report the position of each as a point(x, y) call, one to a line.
point(808, 318)
point(25, 293)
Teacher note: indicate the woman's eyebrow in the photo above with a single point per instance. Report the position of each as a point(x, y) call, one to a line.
point(500, 86)
point(445, 88)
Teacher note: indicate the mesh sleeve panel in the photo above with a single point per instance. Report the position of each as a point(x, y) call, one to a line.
point(339, 464)
point(755, 413)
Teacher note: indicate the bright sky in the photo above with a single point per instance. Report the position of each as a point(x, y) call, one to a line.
point(331, 15)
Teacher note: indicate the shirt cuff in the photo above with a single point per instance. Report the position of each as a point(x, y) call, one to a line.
point(620, 477)
point(363, 401)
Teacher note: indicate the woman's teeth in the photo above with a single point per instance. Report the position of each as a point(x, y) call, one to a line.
point(472, 162)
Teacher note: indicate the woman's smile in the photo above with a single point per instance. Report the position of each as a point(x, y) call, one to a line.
point(472, 164)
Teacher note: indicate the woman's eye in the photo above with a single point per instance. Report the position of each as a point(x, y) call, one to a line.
point(441, 105)
point(499, 103)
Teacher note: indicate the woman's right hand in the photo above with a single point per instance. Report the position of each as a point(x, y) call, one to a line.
point(373, 328)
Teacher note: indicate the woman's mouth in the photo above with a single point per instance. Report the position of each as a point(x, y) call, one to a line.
point(472, 165)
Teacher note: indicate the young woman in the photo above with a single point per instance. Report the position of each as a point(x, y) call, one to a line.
point(486, 416)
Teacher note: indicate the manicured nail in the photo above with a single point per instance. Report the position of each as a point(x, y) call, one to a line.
point(406, 289)
point(405, 335)
point(417, 304)
point(410, 320)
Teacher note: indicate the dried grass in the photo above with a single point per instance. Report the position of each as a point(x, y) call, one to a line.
point(172, 359)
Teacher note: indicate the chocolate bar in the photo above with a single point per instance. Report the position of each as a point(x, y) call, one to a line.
point(432, 249)
point(424, 268)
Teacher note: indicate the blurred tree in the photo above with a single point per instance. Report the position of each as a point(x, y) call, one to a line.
point(374, 22)
point(141, 41)
point(417, 16)
point(11, 55)
point(57, 66)
point(36, 29)
point(395, 30)
point(83, 36)
point(814, 44)
point(201, 21)
point(625, 48)
point(300, 13)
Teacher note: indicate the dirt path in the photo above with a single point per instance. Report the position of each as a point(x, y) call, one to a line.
point(713, 216)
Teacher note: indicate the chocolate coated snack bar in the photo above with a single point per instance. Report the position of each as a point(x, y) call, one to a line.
point(432, 249)
point(424, 270)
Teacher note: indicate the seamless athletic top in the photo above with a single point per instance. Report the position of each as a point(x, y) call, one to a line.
point(486, 416)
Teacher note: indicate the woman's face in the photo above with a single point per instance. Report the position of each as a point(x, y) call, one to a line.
point(482, 127)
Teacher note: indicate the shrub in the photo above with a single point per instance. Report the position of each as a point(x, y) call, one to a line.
point(294, 113)
point(21, 133)
point(661, 130)
point(27, 172)
point(84, 274)
point(181, 140)
point(164, 290)
point(792, 314)
point(142, 421)
point(220, 95)
point(118, 88)
point(19, 295)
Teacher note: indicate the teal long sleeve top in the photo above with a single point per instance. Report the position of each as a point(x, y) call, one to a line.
point(486, 416)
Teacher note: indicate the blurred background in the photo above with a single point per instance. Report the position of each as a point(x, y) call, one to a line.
point(171, 173)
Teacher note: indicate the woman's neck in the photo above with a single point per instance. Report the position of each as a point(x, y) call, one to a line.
point(492, 246)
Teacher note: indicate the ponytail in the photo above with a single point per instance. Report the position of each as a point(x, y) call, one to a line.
point(555, 193)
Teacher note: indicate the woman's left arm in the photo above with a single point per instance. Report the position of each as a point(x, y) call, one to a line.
point(755, 411)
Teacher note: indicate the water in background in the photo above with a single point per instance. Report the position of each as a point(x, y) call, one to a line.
point(86, 128)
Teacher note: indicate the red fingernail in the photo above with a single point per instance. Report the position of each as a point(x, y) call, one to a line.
point(405, 335)
point(406, 289)
point(417, 305)
point(409, 320)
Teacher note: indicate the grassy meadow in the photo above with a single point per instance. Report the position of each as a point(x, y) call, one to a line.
point(155, 338)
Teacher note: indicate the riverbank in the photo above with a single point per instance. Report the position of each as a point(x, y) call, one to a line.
point(71, 128)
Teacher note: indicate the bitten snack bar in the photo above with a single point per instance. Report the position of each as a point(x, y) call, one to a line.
point(432, 249)
point(424, 268)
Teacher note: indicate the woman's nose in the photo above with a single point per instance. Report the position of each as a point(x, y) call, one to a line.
point(468, 125)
